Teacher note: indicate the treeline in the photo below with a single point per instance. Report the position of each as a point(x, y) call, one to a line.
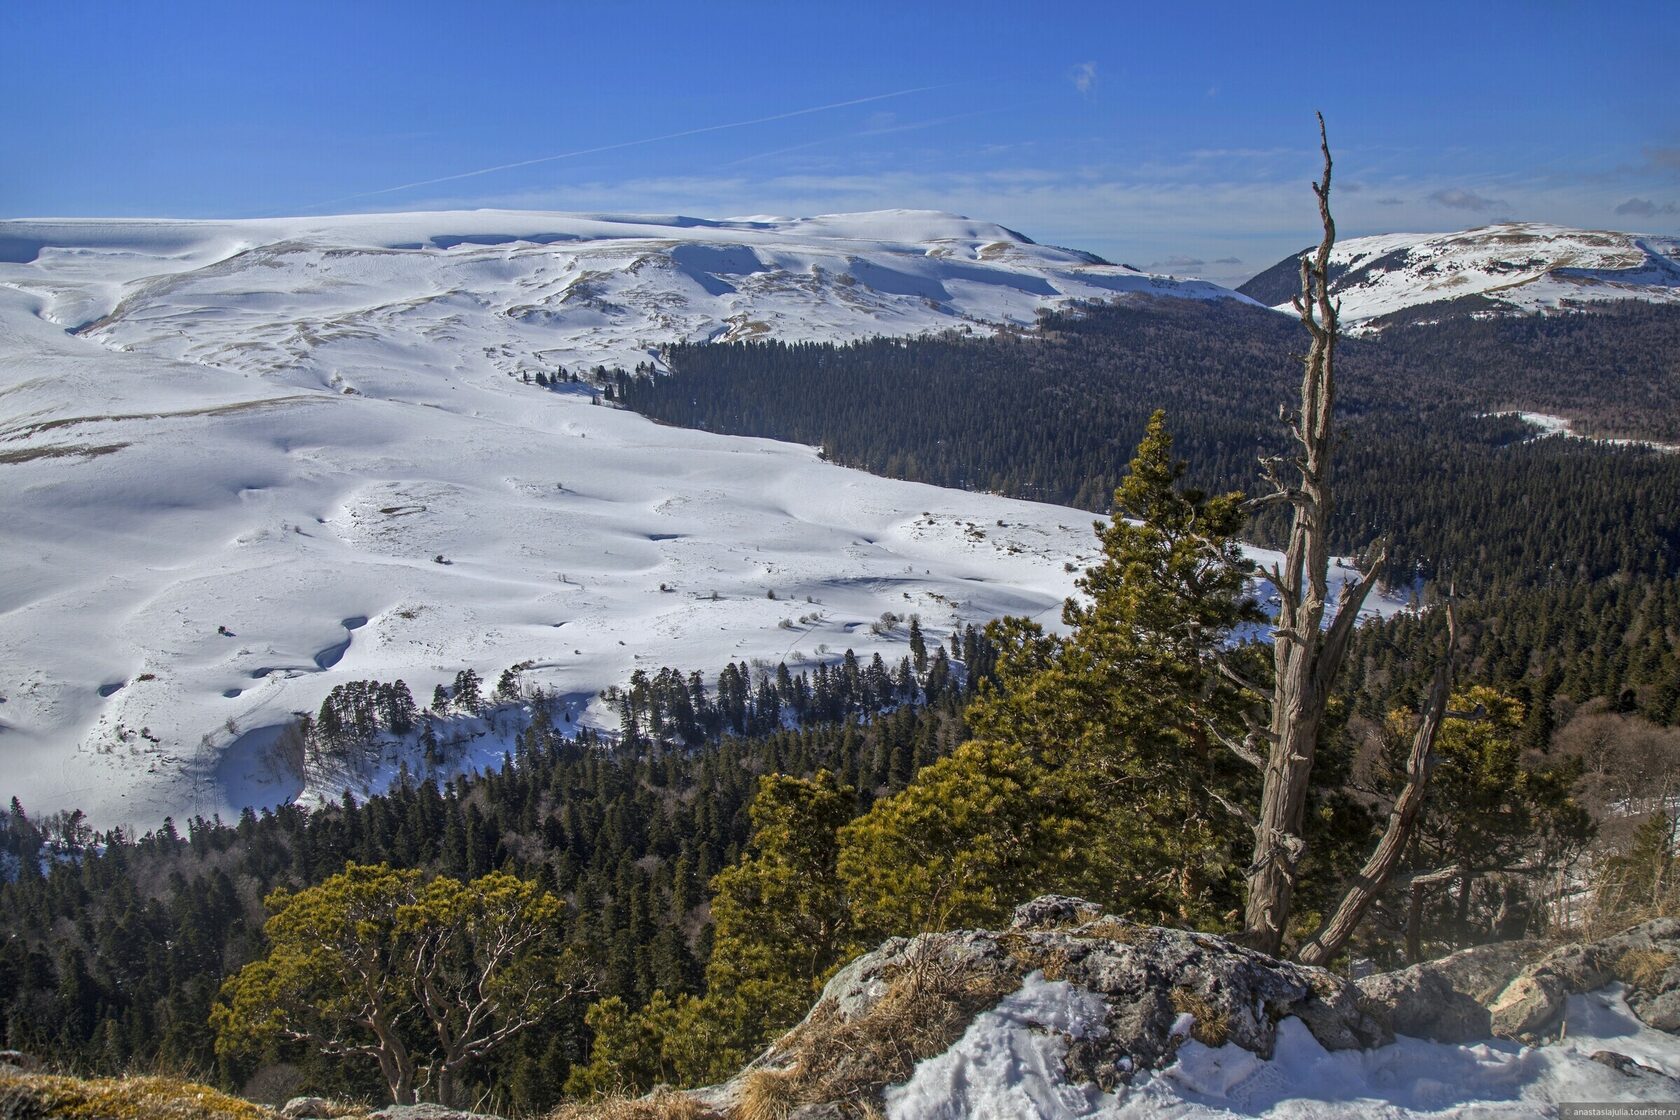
point(1053, 416)
point(1576, 641)
point(115, 946)
point(667, 707)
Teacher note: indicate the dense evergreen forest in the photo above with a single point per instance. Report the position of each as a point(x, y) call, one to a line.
point(1565, 552)
point(1053, 416)
point(113, 956)
point(1565, 557)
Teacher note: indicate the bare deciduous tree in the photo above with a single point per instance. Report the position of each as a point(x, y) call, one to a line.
point(1306, 653)
point(1402, 819)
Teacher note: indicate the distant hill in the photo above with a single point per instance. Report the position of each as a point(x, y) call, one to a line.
point(585, 288)
point(245, 462)
point(1507, 268)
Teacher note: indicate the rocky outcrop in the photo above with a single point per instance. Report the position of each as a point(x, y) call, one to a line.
point(912, 998)
point(1646, 958)
point(1447, 1000)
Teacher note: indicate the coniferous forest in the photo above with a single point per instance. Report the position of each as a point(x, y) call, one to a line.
point(114, 955)
point(1567, 550)
point(690, 854)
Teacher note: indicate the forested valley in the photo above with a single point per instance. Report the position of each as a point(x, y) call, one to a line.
point(1566, 552)
point(744, 834)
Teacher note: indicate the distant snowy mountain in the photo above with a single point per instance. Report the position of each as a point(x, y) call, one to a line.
point(1507, 268)
point(264, 295)
point(243, 462)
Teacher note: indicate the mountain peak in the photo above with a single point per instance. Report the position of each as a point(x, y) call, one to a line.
point(1507, 267)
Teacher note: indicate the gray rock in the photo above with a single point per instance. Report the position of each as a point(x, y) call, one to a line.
point(1425, 1005)
point(1149, 977)
point(426, 1112)
point(1054, 911)
point(307, 1108)
point(1529, 1007)
point(17, 1061)
point(1660, 1008)
point(1446, 1000)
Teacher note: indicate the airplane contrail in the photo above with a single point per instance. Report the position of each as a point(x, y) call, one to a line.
point(630, 144)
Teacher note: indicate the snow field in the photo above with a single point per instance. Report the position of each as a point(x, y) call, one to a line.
point(244, 462)
point(1528, 266)
point(1009, 1065)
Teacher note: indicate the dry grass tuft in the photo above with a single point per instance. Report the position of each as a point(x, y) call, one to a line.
point(1644, 968)
point(59, 451)
point(37, 1096)
point(928, 1003)
point(1211, 1028)
point(662, 1104)
point(768, 1094)
point(1111, 929)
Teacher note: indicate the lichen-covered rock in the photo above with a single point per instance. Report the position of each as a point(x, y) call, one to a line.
point(1054, 911)
point(1446, 1000)
point(426, 1112)
point(913, 998)
point(1528, 1005)
point(1646, 958)
point(308, 1108)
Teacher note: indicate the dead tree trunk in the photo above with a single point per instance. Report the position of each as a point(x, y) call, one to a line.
point(1373, 877)
point(1306, 653)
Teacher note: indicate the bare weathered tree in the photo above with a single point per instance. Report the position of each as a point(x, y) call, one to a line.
point(1402, 819)
point(1307, 654)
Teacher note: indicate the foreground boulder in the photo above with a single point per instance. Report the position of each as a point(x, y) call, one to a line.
point(912, 998)
point(1152, 989)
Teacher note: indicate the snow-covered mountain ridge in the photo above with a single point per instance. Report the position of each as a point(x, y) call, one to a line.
point(1512, 267)
point(244, 462)
point(595, 289)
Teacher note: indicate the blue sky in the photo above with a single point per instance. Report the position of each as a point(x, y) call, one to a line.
point(1179, 137)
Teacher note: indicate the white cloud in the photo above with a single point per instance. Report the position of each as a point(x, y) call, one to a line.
point(1645, 208)
point(1236, 212)
point(1084, 77)
point(1457, 198)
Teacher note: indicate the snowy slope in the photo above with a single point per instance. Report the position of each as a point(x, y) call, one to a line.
point(233, 453)
point(1512, 267)
point(267, 295)
point(1009, 1065)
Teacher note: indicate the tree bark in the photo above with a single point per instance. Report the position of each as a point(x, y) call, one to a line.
point(1306, 655)
point(1420, 764)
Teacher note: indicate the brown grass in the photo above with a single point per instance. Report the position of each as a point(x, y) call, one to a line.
point(1644, 968)
point(36, 1096)
point(768, 1094)
point(59, 451)
point(661, 1105)
point(1111, 929)
point(1211, 1028)
point(24, 430)
point(1030, 954)
point(928, 1003)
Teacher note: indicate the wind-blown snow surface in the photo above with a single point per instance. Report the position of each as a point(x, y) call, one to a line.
point(243, 462)
point(537, 288)
point(1518, 266)
point(1009, 1065)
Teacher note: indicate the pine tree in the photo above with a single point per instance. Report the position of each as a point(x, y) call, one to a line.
point(1091, 769)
